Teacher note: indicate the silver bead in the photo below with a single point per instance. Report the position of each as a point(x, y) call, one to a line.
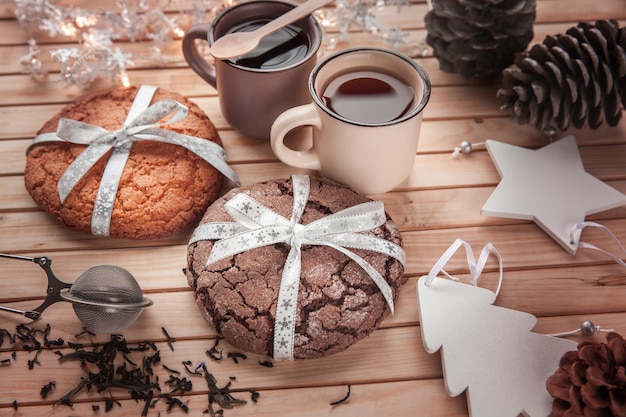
point(587, 328)
point(465, 147)
point(550, 132)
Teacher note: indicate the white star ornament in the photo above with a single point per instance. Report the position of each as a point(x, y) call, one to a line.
point(549, 186)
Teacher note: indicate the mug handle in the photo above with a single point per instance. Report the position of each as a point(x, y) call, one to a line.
point(193, 57)
point(300, 116)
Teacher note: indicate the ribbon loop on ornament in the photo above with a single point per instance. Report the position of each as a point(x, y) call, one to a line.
point(256, 226)
point(577, 231)
point(142, 123)
point(475, 266)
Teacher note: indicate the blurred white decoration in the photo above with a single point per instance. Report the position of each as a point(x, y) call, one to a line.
point(348, 17)
point(100, 33)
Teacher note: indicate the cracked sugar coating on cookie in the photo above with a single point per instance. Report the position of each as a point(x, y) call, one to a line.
point(338, 303)
point(164, 188)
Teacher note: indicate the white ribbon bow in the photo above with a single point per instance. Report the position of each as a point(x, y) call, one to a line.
point(475, 266)
point(256, 226)
point(140, 124)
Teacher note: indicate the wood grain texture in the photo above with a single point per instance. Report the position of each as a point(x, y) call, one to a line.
point(389, 372)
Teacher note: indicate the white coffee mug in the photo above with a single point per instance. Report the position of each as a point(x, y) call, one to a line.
point(370, 156)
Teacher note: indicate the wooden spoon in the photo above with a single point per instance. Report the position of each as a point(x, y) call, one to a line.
point(240, 43)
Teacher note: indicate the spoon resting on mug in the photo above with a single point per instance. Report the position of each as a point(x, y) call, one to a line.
point(240, 43)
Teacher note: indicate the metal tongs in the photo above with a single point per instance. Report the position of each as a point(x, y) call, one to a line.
point(53, 293)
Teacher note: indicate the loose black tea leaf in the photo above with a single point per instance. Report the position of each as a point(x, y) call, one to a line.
point(196, 371)
point(46, 389)
point(344, 399)
point(15, 405)
point(27, 338)
point(85, 332)
point(167, 368)
point(145, 345)
point(235, 356)
point(148, 403)
point(170, 340)
point(67, 398)
point(34, 361)
point(213, 413)
point(113, 373)
point(108, 404)
point(113, 365)
point(180, 385)
point(127, 359)
point(199, 368)
point(57, 342)
point(149, 361)
point(75, 345)
point(267, 364)
point(47, 342)
point(5, 333)
point(173, 401)
point(214, 353)
point(254, 396)
point(221, 396)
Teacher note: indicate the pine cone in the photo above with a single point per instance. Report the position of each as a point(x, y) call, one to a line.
point(570, 78)
point(479, 38)
point(591, 381)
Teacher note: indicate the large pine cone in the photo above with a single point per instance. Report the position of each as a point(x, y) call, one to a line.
point(479, 38)
point(570, 78)
point(591, 381)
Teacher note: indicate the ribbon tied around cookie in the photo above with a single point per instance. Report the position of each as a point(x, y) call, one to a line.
point(256, 226)
point(142, 123)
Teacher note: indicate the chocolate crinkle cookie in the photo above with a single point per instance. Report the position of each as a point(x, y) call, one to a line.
point(338, 303)
point(164, 188)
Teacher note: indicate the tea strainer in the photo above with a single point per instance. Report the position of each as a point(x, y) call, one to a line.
point(106, 298)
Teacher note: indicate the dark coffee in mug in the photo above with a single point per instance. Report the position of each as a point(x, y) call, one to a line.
point(368, 96)
point(282, 48)
point(255, 89)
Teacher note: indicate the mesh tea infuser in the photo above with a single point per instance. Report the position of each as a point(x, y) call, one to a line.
point(106, 298)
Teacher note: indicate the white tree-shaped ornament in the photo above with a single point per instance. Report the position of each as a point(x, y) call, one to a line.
point(487, 350)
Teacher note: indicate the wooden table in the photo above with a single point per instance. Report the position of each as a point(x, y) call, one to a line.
point(389, 372)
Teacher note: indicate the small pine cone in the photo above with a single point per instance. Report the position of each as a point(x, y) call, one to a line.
point(479, 38)
point(591, 381)
point(570, 79)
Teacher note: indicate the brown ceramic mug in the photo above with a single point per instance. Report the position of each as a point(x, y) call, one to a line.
point(254, 89)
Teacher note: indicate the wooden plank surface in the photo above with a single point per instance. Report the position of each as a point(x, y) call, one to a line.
point(388, 372)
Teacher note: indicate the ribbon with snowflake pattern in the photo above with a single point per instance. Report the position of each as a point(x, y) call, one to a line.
point(141, 124)
point(256, 226)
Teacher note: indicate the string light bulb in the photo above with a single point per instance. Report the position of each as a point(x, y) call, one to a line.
point(159, 22)
point(86, 21)
point(125, 79)
point(68, 29)
point(178, 32)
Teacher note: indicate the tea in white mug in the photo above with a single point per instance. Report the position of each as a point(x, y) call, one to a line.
point(365, 118)
point(369, 97)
